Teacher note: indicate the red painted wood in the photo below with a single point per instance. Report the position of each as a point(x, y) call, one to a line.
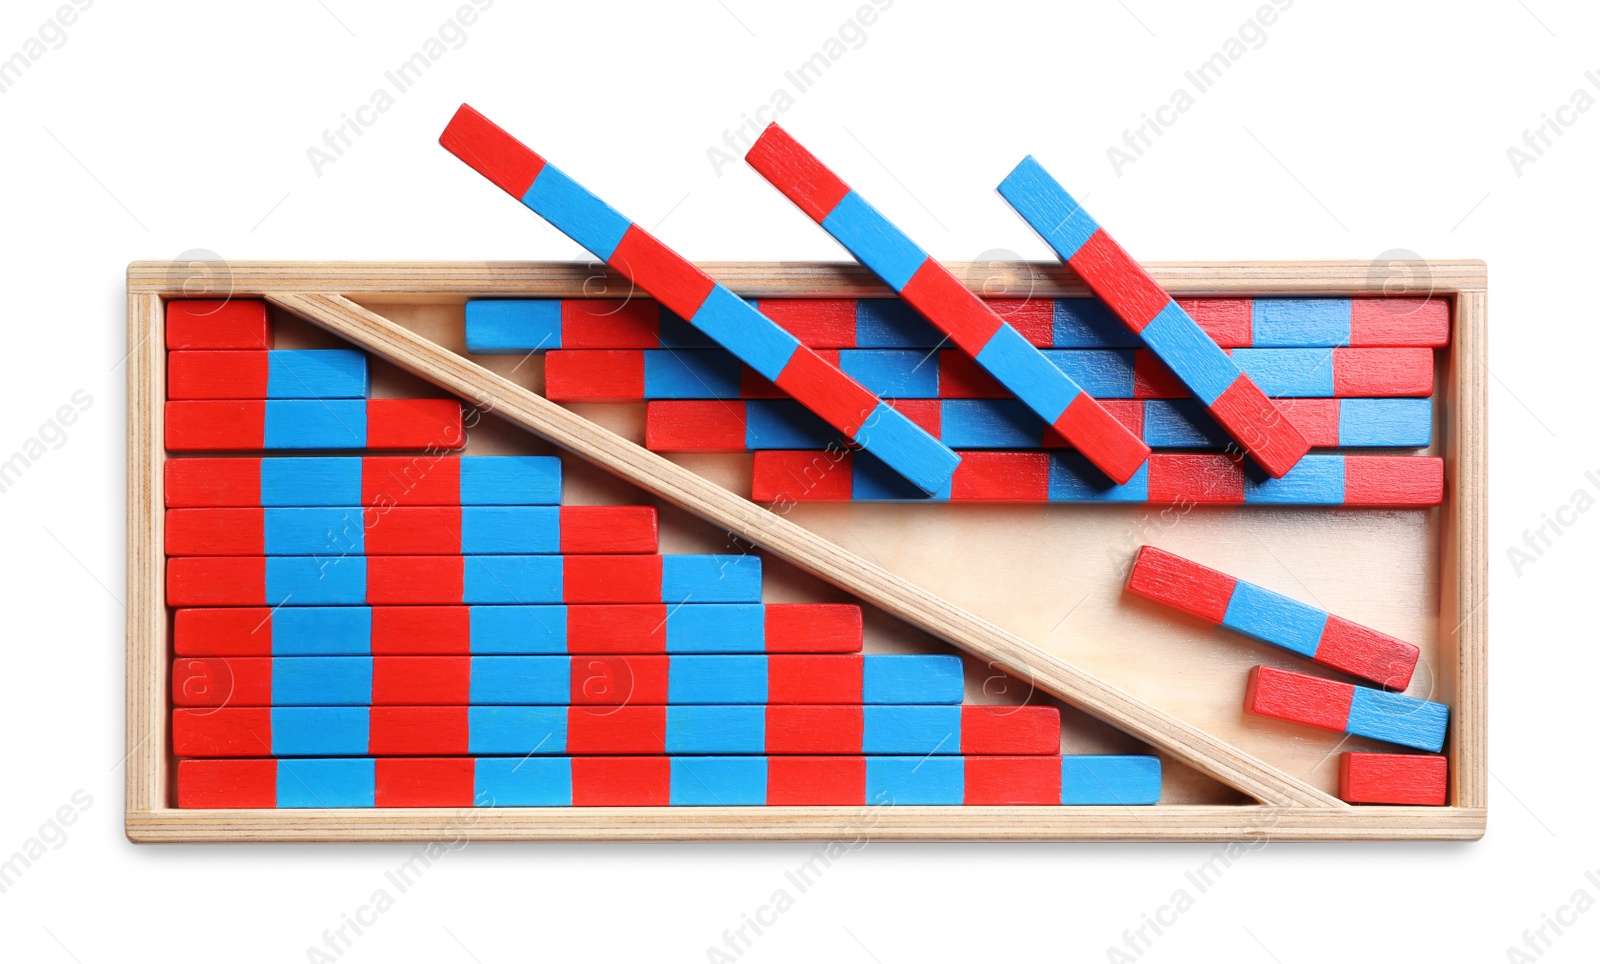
point(491, 151)
point(960, 376)
point(406, 480)
point(434, 782)
point(216, 374)
point(241, 631)
point(195, 426)
point(1393, 480)
point(1394, 778)
point(1033, 318)
point(227, 784)
point(1153, 379)
point(401, 580)
point(997, 781)
point(1367, 653)
point(215, 532)
point(1254, 421)
point(1199, 479)
point(816, 781)
point(217, 581)
point(423, 680)
point(211, 324)
point(1011, 730)
point(1382, 372)
point(610, 579)
point(1174, 581)
point(621, 781)
point(1113, 275)
point(1090, 426)
point(838, 399)
point(617, 729)
point(414, 423)
point(695, 426)
point(781, 478)
point(241, 681)
point(412, 531)
point(925, 413)
point(1316, 419)
point(1226, 320)
point(212, 482)
point(608, 529)
point(225, 731)
point(657, 269)
point(814, 679)
point(1002, 477)
point(594, 376)
point(416, 730)
point(817, 322)
point(619, 680)
point(617, 629)
point(1424, 322)
point(814, 729)
point(806, 180)
point(937, 295)
point(1298, 698)
point(811, 628)
point(421, 630)
point(606, 323)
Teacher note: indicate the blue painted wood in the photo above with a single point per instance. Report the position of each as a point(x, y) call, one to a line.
point(1397, 718)
point(904, 729)
point(717, 679)
point(915, 781)
point(1297, 322)
point(577, 213)
point(322, 681)
point(522, 730)
point(1110, 780)
point(315, 424)
point(717, 729)
point(874, 241)
point(1274, 618)
point(911, 679)
point(310, 480)
point(719, 781)
point(521, 782)
point(322, 373)
point(728, 628)
point(512, 326)
point(327, 783)
point(319, 731)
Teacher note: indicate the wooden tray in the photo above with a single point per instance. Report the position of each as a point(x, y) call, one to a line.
point(1032, 593)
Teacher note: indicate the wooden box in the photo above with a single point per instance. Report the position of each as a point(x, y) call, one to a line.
point(1044, 581)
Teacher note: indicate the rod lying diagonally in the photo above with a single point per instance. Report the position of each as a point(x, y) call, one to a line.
point(809, 551)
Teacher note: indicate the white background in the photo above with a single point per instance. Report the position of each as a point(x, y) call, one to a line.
point(1356, 128)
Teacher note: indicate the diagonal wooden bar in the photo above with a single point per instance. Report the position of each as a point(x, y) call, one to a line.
point(811, 552)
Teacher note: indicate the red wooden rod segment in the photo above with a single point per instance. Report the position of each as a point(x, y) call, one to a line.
point(1394, 778)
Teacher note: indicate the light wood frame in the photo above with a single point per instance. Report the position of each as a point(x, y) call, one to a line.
point(1292, 809)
